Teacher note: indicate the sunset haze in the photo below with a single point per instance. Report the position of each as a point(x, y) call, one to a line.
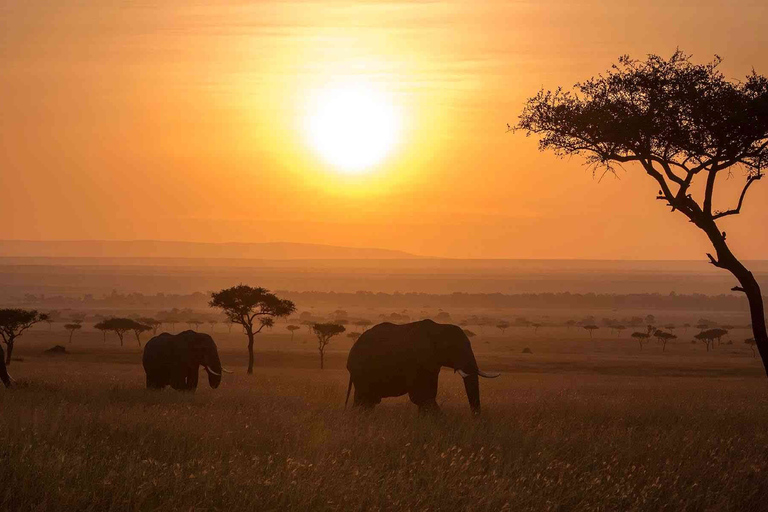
point(179, 120)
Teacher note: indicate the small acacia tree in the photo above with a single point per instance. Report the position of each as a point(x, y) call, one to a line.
point(590, 328)
point(293, 329)
point(664, 338)
point(150, 322)
point(72, 328)
point(682, 123)
point(117, 325)
point(244, 305)
point(13, 322)
point(641, 338)
point(324, 333)
point(138, 329)
point(502, 326)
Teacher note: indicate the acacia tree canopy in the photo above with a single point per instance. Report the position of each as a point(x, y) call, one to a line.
point(682, 123)
point(243, 305)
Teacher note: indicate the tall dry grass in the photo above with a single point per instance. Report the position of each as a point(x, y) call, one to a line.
point(87, 436)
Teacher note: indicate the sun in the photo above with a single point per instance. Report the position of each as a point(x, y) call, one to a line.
point(353, 126)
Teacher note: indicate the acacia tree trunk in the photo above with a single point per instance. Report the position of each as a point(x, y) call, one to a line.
point(321, 358)
point(10, 350)
point(250, 352)
point(749, 285)
point(3, 370)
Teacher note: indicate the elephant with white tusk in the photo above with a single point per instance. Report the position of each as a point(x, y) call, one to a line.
point(392, 360)
point(174, 359)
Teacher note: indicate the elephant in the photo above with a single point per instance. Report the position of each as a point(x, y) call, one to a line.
point(391, 360)
point(174, 359)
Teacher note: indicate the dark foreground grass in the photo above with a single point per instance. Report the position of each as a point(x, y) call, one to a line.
point(88, 437)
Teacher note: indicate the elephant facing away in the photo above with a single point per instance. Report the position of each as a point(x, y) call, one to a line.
point(392, 360)
point(174, 359)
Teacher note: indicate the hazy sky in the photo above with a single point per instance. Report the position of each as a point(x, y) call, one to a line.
point(183, 120)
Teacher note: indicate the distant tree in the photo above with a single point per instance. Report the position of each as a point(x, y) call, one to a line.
point(670, 327)
point(362, 323)
point(196, 322)
point(717, 333)
point(641, 338)
point(443, 316)
point(308, 324)
point(245, 305)
point(707, 337)
point(102, 326)
point(13, 322)
point(650, 319)
point(590, 328)
point(682, 123)
point(72, 328)
point(324, 333)
point(340, 314)
point(212, 322)
point(619, 328)
point(751, 343)
point(502, 326)
point(535, 326)
point(570, 323)
point(117, 325)
point(151, 323)
point(469, 333)
point(685, 328)
point(293, 328)
point(664, 338)
point(138, 328)
point(353, 335)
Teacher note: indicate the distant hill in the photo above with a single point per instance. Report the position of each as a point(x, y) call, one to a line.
point(165, 249)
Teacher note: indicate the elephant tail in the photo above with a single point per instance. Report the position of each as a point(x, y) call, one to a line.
point(349, 388)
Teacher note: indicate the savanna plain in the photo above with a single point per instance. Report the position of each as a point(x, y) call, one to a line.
point(576, 422)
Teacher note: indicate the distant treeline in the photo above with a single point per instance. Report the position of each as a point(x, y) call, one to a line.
point(414, 301)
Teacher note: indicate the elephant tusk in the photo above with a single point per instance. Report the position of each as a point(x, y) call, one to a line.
point(226, 371)
point(463, 374)
point(211, 371)
point(487, 375)
point(11, 378)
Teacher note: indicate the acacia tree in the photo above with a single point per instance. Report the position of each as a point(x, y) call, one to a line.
point(293, 328)
point(150, 322)
point(641, 338)
point(244, 305)
point(13, 322)
point(682, 123)
point(72, 328)
point(591, 328)
point(117, 325)
point(664, 338)
point(502, 326)
point(138, 328)
point(324, 333)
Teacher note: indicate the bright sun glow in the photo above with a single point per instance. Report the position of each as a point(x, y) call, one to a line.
point(353, 126)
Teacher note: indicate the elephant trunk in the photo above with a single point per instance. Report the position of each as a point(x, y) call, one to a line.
point(214, 369)
point(472, 387)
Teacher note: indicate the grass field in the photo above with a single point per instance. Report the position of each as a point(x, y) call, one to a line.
point(579, 424)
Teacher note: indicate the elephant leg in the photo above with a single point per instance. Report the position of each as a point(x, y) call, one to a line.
point(424, 392)
point(178, 380)
point(192, 377)
point(364, 399)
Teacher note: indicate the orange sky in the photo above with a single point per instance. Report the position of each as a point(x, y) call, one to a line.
point(181, 120)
